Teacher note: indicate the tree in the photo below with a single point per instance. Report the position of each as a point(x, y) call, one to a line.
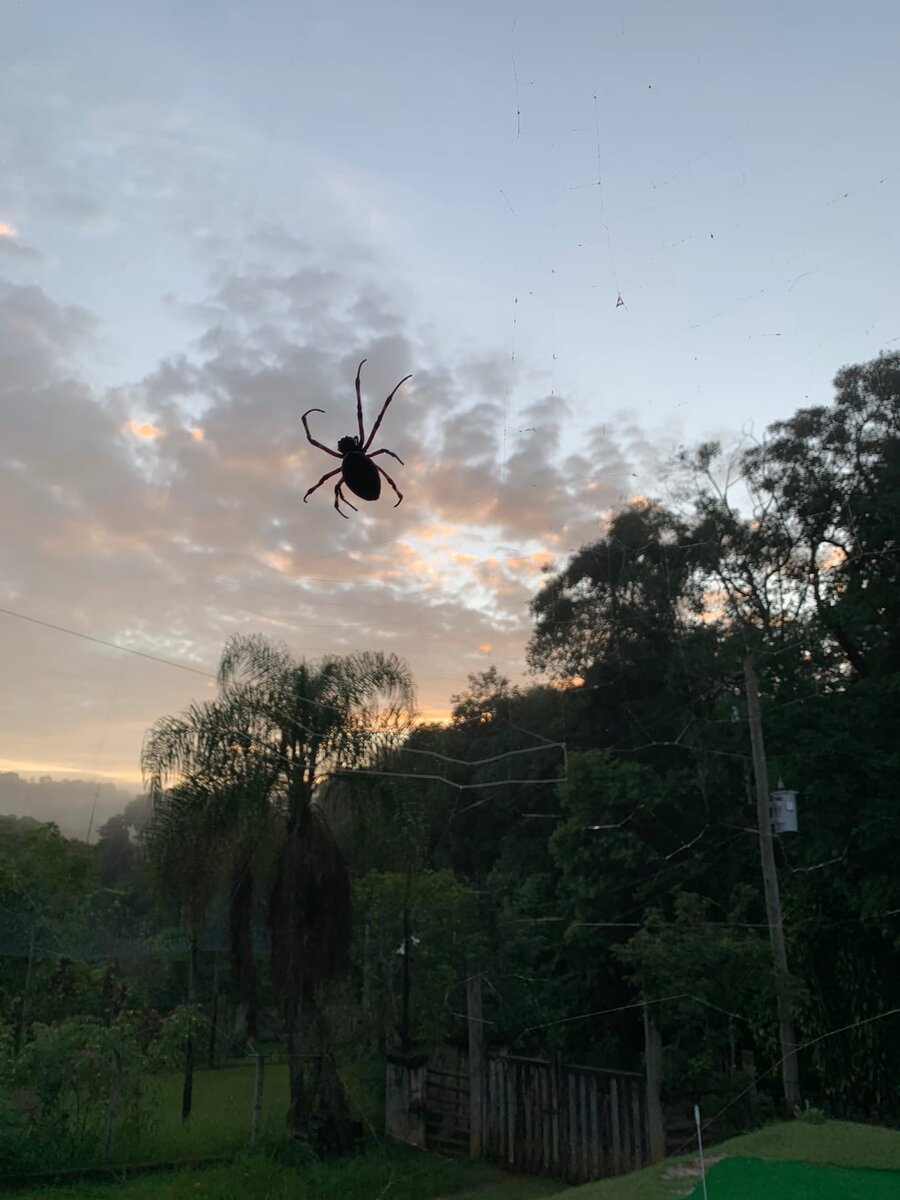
point(48, 887)
point(219, 810)
point(628, 618)
point(818, 557)
point(810, 579)
point(713, 969)
point(184, 867)
point(314, 721)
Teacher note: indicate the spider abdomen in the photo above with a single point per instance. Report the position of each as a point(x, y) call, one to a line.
point(361, 475)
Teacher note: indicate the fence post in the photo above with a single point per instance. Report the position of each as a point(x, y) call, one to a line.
point(476, 1066)
point(656, 1134)
point(256, 1112)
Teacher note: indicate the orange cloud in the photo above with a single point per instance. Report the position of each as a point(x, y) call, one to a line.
point(198, 435)
point(7, 230)
point(714, 605)
point(146, 431)
point(485, 647)
point(566, 685)
point(434, 716)
point(463, 559)
point(530, 562)
point(832, 557)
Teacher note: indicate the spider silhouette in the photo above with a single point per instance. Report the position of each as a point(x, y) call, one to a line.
point(361, 475)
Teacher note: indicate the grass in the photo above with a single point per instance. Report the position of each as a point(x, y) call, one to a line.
point(834, 1143)
point(389, 1170)
point(220, 1121)
point(750, 1178)
point(220, 1117)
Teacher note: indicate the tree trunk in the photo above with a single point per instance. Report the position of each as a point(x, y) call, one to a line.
point(298, 1104)
point(23, 1018)
point(214, 1015)
point(187, 1090)
point(243, 960)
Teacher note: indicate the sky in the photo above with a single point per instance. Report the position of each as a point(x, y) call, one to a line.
point(211, 212)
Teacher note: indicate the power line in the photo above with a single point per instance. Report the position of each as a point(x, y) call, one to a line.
point(462, 787)
point(88, 637)
point(475, 762)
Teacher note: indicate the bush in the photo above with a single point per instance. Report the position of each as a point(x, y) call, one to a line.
point(166, 1051)
point(73, 1090)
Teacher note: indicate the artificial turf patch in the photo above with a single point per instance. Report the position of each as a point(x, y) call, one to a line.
point(759, 1179)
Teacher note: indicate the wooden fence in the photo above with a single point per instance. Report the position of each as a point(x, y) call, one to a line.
point(538, 1116)
point(573, 1123)
point(447, 1110)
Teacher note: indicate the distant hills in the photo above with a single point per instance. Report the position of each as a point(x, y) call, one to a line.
point(66, 802)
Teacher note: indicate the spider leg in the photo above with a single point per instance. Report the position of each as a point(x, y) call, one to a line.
point(391, 453)
point(391, 482)
point(383, 411)
point(359, 420)
point(327, 449)
point(336, 471)
point(339, 495)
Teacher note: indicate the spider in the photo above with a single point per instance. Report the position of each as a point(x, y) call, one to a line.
point(361, 475)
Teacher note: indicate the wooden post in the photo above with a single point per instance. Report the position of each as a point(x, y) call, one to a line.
point(405, 1107)
point(256, 1113)
point(656, 1133)
point(476, 1067)
point(614, 1121)
point(789, 1070)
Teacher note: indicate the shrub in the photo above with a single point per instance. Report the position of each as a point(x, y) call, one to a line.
point(73, 1090)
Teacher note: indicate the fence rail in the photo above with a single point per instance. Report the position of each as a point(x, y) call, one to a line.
point(574, 1123)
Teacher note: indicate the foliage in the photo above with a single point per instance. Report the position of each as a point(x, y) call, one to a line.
point(75, 1088)
point(715, 978)
point(252, 765)
point(638, 876)
point(444, 924)
point(166, 1051)
point(47, 889)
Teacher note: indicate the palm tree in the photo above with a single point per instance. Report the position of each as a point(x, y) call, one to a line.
point(182, 868)
point(221, 791)
point(319, 720)
point(261, 755)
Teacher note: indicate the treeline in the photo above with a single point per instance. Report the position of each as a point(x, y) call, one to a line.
point(586, 843)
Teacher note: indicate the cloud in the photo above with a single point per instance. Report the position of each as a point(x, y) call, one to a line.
point(166, 514)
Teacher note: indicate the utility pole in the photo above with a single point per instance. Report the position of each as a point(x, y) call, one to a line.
point(789, 1071)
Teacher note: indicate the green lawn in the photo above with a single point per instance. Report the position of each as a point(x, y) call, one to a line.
point(750, 1178)
point(220, 1116)
point(395, 1171)
point(793, 1160)
point(837, 1143)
